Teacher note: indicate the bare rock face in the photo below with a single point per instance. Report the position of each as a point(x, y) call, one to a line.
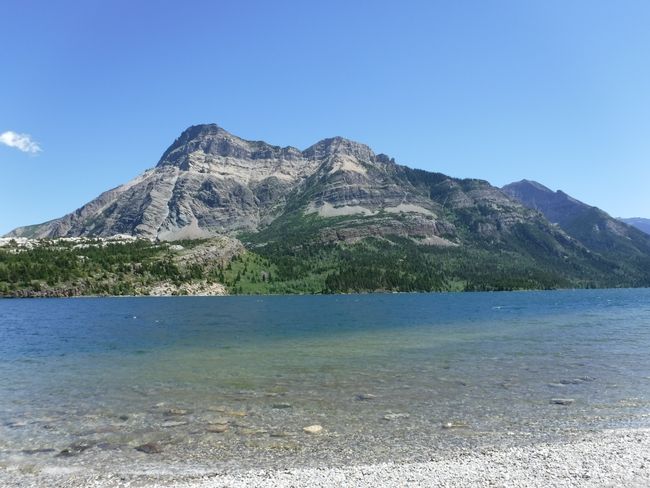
point(210, 182)
point(207, 183)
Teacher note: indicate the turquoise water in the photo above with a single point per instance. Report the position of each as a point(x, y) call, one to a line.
point(83, 382)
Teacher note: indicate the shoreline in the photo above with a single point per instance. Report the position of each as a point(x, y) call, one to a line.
point(442, 292)
point(619, 457)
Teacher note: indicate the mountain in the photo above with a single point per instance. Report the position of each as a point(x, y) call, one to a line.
point(210, 182)
point(638, 222)
point(591, 226)
point(338, 217)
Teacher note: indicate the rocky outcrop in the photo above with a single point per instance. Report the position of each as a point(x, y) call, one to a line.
point(201, 288)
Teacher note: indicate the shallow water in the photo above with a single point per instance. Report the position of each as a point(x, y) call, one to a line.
point(85, 381)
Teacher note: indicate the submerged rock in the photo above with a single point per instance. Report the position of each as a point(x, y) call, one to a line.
point(282, 405)
point(396, 416)
point(576, 381)
point(176, 411)
point(365, 396)
point(218, 408)
point(74, 449)
point(149, 448)
point(41, 450)
point(562, 401)
point(218, 421)
point(16, 424)
point(313, 429)
point(237, 413)
point(172, 423)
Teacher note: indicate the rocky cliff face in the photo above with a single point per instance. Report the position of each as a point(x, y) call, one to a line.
point(208, 182)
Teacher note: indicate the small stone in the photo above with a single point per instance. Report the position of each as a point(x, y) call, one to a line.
point(313, 429)
point(16, 424)
point(37, 451)
point(218, 421)
point(218, 428)
point(74, 449)
point(282, 405)
point(562, 401)
point(149, 448)
point(219, 408)
point(396, 416)
point(171, 423)
point(571, 381)
point(365, 396)
point(235, 413)
point(176, 411)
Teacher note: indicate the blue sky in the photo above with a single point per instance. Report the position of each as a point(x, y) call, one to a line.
point(556, 91)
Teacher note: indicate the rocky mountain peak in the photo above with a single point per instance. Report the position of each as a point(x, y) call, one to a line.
point(339, 145)
point(528, 185)
point(539, 197)
point(214, 141)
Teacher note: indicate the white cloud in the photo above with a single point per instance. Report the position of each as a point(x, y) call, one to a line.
point(22, 142)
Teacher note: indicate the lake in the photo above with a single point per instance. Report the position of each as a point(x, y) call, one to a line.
point(230, 382)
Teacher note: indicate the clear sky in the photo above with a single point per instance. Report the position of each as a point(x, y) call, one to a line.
point(552, 90)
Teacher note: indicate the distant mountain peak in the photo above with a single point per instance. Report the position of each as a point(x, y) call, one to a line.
point(590, 225)
point(531, 183)
point(339, 145)
point(539, 197)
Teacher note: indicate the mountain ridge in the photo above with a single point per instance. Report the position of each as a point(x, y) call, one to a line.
point(588, 224)
point(211, 182)
point(640, 223)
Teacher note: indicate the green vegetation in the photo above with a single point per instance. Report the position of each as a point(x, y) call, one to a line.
point(292, 256)
point(63, 268)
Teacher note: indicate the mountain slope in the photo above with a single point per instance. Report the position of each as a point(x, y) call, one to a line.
point(210, 182)
point(591, 226)
point(625, 248)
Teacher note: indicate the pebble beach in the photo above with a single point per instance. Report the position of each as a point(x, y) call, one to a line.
point(609, 458)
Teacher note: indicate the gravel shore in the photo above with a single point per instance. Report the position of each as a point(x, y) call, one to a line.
point(611, 458)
